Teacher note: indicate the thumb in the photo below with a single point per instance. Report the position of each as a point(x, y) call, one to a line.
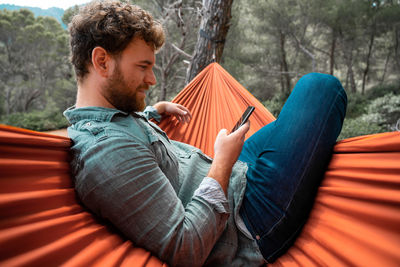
point(223, 132)
point(244, 128)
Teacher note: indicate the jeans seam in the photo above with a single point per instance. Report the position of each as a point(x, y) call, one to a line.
point(252, 231)
point(312, 154)
point(291, 200)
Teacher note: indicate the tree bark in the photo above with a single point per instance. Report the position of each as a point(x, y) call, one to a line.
point(347, 46)
point(371, 43)
point(396, 47)
point(163, 87)
point(332, 53)
point(214, 26)
point(386, 65)
point(284, 64)
point(349, 63)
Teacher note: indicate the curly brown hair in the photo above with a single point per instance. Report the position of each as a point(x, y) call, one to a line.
point(111, 25)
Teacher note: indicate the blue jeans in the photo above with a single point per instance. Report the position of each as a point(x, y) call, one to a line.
point(287, 160)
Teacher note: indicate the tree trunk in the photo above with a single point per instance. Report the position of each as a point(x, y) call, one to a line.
point(163, 87)
point(349, 63)
point(396, 47)
point(8, 100)
point(214, 26)
point(348, 56)
point(281, 79)
point(332, 53)
point(284, 63)
point(33, 95)
point(371, 43)
point(386, 65)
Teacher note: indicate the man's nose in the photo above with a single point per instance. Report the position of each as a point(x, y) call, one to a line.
point(150, 78)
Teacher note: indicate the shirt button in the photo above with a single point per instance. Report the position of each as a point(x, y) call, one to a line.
point(88, 124)
point(257, 237)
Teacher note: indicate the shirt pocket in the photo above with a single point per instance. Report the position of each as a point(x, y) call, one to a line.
point(96, 129)
point(166, 160)
point(204, 156)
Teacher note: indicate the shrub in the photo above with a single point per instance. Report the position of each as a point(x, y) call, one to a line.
point(356, 105)
point(48, 119)
point(382, 114)
point(364, 116)
point(275, 104)
point(384, 111)
point(382, 90)
point(356, 127)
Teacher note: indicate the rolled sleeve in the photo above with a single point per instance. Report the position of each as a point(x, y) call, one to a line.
point(151, 113)
point(211, 191)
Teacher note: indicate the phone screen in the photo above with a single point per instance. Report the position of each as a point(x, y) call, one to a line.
point(244, 118)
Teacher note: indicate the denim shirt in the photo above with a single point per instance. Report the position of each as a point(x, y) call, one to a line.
point(155, 190)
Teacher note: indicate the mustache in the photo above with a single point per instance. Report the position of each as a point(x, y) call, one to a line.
point(144, 87)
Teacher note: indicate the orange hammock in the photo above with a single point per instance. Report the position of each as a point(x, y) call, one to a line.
point(355, 220)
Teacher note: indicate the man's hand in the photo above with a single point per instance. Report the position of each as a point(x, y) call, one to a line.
point(227, 148)
point(168, 108)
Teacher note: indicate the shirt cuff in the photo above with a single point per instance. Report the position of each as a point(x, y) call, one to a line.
point(151, 113)
point(211, 191)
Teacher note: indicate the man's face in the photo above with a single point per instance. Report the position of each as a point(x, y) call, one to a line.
point(132, 77)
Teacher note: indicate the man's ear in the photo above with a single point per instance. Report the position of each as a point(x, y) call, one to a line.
point(101, 61)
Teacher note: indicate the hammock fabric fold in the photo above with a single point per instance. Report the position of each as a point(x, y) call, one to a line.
point(41, 222)
point(355, 219)
point(216, 101)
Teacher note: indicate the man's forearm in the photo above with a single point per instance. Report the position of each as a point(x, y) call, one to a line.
point(220, 172)
point(227, 148)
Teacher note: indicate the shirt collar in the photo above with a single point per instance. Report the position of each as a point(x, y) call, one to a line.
point(75, 115)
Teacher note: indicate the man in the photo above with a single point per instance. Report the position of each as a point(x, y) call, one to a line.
point(169, 197)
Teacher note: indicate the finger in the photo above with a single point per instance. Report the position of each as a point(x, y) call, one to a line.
point(244, 128)
point(181, 112)
point(178, 117)
point(186, 110)
point(183, 118)
point(187, 118)
point(185, 115)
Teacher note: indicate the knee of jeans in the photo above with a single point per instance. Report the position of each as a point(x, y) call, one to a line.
point(326, 83)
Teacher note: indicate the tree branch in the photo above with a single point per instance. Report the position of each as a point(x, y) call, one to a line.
point(183, 53)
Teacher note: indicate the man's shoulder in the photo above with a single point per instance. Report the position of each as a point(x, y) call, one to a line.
point(94, 131)
point(98, 123)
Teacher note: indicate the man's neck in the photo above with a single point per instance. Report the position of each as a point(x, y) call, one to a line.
point(89, 94)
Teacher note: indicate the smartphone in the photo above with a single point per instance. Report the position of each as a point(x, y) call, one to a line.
point(244, 118)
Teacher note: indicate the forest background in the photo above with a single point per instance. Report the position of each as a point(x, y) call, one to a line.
point(269, 46)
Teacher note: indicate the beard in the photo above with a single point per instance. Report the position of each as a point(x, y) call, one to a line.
point(121, 95)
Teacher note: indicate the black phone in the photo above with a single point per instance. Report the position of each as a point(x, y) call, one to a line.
point(244, 118)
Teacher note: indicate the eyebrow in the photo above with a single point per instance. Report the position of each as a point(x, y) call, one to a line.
point(148, 62)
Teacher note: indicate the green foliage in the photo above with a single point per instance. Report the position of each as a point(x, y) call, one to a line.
point(275, 104)
point(356, 105)
point(272, 43)
point(51, 118)
point(69, 13)
point(384, 111)
point(34, 70)
point(356, 127)
point(381, 115)
point(364, 115)
point(384, 89)
point(54, 12)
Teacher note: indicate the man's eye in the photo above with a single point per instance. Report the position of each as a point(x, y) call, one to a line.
point(143, 67)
